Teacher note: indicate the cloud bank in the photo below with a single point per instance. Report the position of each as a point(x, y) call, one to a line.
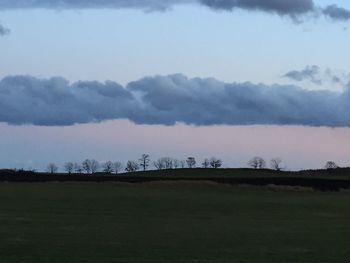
point(291, 8)
point(168, 100)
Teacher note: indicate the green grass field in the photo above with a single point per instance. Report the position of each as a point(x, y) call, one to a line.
point(170, 222)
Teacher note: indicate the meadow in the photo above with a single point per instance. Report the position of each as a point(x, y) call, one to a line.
point(182, 221)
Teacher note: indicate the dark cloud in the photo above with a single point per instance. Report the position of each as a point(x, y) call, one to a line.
point(168, 100)
point(285, 7)
point(336, 13)
point(310, 73)
point(292, 8)
point(4, 31)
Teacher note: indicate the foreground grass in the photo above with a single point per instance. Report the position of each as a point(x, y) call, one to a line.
point(107, 222)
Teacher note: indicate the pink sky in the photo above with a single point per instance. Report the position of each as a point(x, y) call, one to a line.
point(299, 147)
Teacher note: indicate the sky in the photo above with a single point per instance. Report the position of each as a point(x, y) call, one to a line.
point(113, 79)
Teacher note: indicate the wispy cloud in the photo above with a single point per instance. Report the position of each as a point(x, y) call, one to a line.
point(4, 31)
point(308, 73)
point(167, 100)
point(318, 76)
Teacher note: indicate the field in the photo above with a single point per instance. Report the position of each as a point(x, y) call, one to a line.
point(171, 222)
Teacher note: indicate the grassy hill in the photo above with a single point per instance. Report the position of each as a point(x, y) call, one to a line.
point(332, 180)
point(173, 222)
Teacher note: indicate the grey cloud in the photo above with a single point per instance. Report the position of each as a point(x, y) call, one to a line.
point(292, 8)
point(318, 76)
point(168, 100)
point(310, 73)
point(285, 7)
point(4, 31)
point(336, 13)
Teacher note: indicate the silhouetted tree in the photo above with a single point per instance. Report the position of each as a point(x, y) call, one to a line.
point(108, 167)
point(52, 168)
point(159, 164)
point(257, 162)
point(77, 168)
point(95, 166)
point(215, 163)
point(168, 162)
point(144, 161)
point(86, 166)
point(275, 164)
point(182, 164)
point(330, 165)
point(69, 167)
point(176, 163)
point(90, 166)
point(131, 166)
point(117, 167)
point(191, 162)
point(206, 163)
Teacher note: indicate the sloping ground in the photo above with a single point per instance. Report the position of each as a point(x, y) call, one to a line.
point(331, 180)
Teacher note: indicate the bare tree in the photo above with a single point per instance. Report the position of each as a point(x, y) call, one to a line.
point(191, 162)
point(144, 161)
point(86, 166)
point(95, 166)
point(77, 168)
point(168, 162)
point(330, 165)
point(275, 164)
point(108, 167)
point(159, 164)
point(176, 163)
point(206, 163)
point(131, 166)
point(52, 168)
point(257, 162)
point(215, 163)
point(69, 167)
point(117, 167)
point(182, 164)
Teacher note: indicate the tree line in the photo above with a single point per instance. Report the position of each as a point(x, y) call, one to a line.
point(91, 166)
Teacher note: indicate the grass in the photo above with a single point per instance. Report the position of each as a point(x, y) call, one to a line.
point(170, 222)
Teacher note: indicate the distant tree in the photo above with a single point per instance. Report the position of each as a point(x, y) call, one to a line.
point(144, 161)
point(159, 164)
point(182, 164)
point(108, 167)
point(69, 167)
point(168, 162)
point(77, 168)
point(131, 166)
point(257, 162)
point(176, 163)
point(52, 168)
point(117, 167)
point(86, 166)
point(95, 166)
point(275, 164)
point(191, 162)
point(330, 165)
point(215, 163)
point(206, 163)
